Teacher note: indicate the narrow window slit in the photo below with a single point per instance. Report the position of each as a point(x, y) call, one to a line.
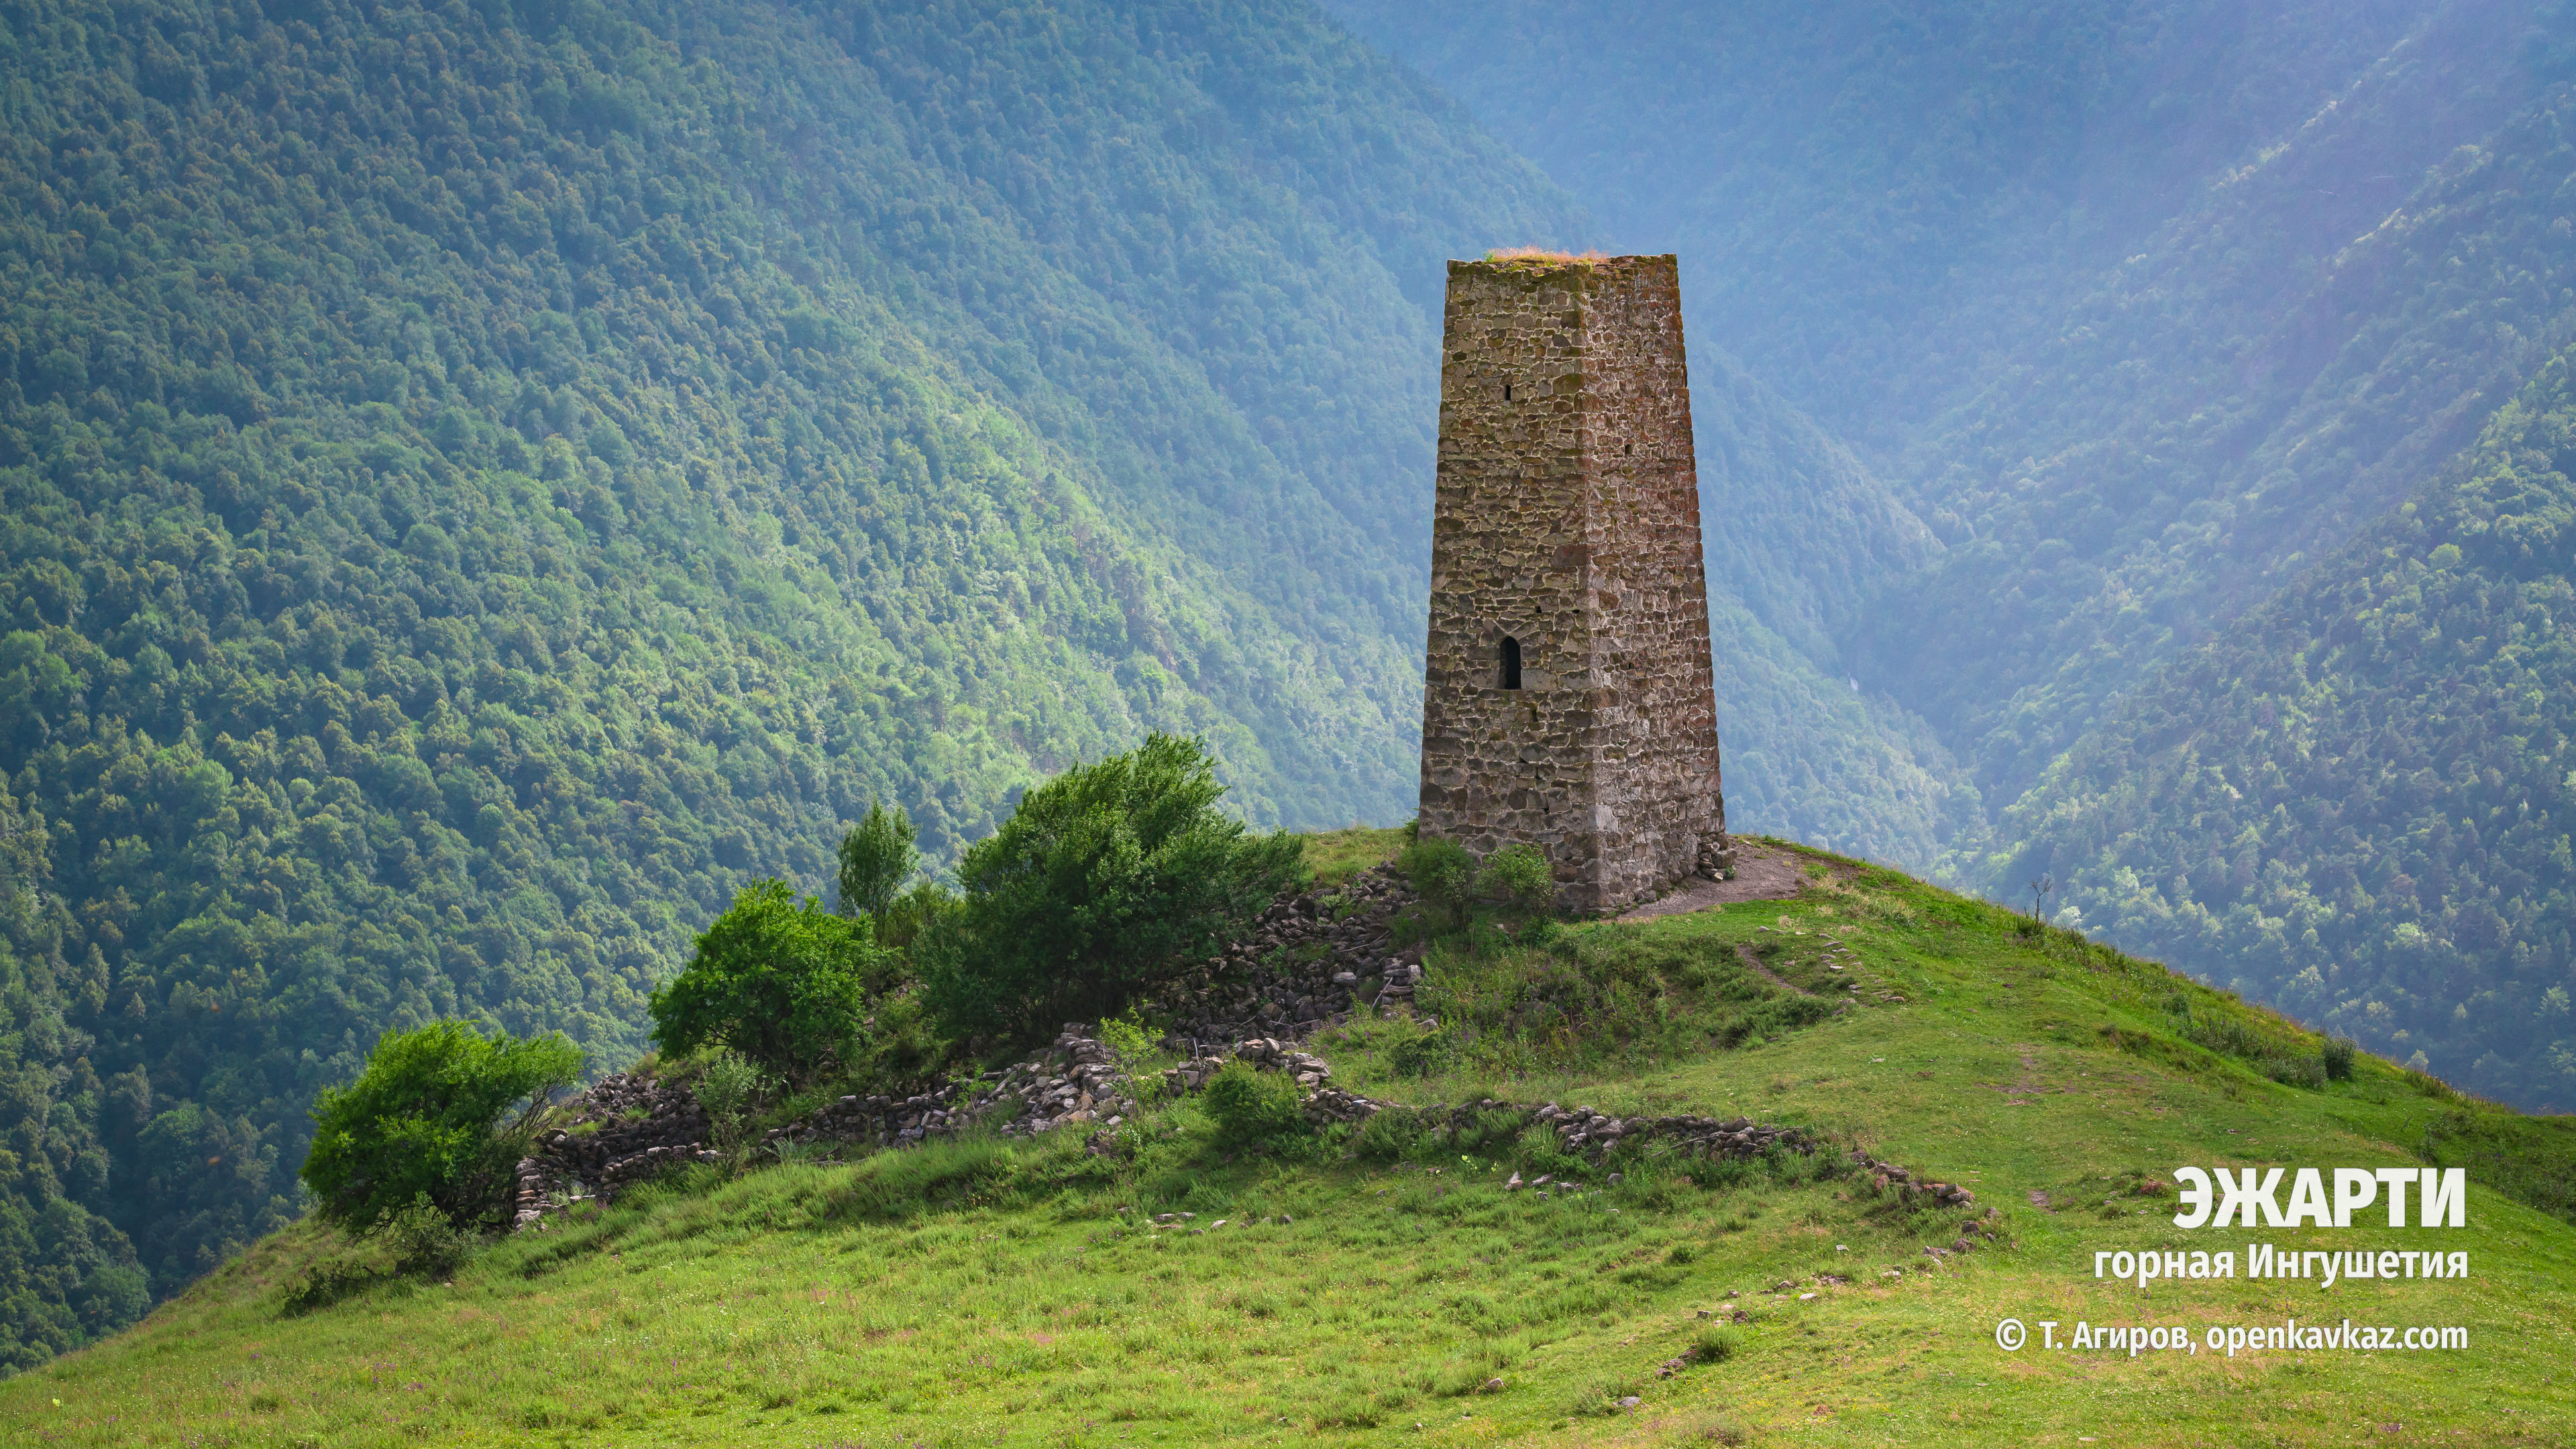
point(1511, 662)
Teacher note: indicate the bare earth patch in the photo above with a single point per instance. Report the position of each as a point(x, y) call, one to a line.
point(1762, 873)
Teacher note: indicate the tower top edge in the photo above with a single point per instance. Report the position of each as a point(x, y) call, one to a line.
point(1536, 261)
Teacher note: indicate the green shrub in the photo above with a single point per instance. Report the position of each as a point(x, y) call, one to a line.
point(1251, 1106)
point(877, 857)
point(727, 1088)
point(2340, 1054)
point(1444, 875)
point(327, 1282)
point(1520, 877)
point(899, 1044)
point(421, 1242)
point(1714, 1345)
point(425, 1121)
point(1389, 1135)
point(1108, 878)
point(1423, 1054)
point(783, 982)
point(2295, 1071)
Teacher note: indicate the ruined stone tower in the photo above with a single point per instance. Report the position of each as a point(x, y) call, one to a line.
point(1567, 698)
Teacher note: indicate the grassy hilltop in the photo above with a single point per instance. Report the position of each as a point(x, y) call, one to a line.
point(1377, 1289)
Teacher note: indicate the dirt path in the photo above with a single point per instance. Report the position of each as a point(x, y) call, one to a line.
point(1754, 964)
point(1761, 874)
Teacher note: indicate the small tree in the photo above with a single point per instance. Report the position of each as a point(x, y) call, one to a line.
point(426, 1120)
point(877, 857)
point(782, 982)
point(1107, 878)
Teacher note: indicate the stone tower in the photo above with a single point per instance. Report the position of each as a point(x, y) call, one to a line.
point(1567, 697)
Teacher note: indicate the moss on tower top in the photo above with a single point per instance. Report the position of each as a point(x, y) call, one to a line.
point(1540, 259)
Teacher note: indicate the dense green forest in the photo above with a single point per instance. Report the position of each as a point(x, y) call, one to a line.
point(2357, 799)
point(481, 483)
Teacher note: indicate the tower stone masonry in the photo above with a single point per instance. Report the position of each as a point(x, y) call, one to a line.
point(1568, 700)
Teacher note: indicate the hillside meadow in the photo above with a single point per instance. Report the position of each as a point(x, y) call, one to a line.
point(1381, 1286)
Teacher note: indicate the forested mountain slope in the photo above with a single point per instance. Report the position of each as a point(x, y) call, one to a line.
point(480, 483)
point(1875, 202)
point(2357, 799)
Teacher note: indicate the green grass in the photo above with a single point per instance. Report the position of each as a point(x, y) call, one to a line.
point(979, 1293)
point(1337, 855)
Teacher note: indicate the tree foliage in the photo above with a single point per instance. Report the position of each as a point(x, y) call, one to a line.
point(1111, 876)
point(430, 1118)
point(877, 857)
point(784, 982)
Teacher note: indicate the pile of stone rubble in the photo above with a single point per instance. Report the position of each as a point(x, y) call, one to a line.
point(1884, 1175)
point(1264, 1053)
point(1314, 959)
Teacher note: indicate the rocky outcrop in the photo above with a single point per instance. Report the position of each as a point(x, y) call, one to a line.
point(1313, 959)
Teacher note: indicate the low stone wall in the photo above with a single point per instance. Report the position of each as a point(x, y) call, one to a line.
point(623, 1130)
point(1074, 1081)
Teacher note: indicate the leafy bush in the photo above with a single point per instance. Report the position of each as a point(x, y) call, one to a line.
point(877, 857)
point(1520, 877)
point(1389, 1135)
point(727, 1088)
point(1423, 1054)
point(2340, 1052)
point(327, 1282)
point(1251, 1106)
point(422, 1242)
point(1109, 877)
point(1443, 874)
point(1132, 1042)
point(786, 983)
point(424, 1123)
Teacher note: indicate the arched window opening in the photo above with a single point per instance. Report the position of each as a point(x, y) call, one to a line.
point(1511, 662)
point(1507, 392)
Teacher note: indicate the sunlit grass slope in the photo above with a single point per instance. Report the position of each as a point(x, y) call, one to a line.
point(973, 1293)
